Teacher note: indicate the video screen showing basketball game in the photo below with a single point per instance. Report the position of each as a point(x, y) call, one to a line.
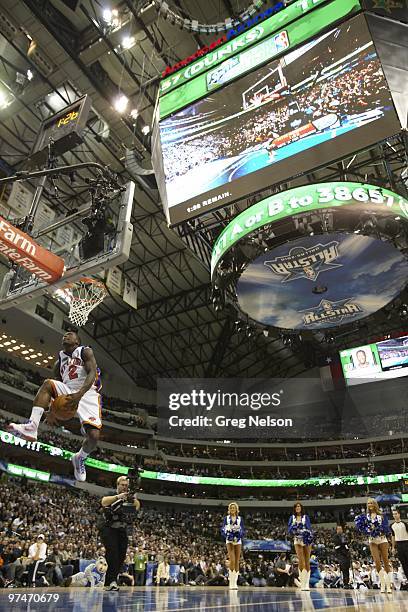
point(393, 353)
point(382, 360)
point(312, 105)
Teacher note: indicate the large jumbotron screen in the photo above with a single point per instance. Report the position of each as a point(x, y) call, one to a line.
point(324, 99)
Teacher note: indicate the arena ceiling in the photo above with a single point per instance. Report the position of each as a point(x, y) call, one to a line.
point(72, 50)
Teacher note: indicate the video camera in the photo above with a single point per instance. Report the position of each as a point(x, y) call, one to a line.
point(123, 511)
point(134, 484)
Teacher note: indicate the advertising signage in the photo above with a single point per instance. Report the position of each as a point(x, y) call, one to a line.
point(235, 41)
point(306, 199)
point(232, 33)
point(241, 61)
point(8, 438)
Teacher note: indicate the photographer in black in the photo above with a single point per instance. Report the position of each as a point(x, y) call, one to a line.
point(118, 513)
point(343, 555)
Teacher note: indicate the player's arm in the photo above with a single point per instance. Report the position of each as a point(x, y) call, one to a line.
point(91, 369)
point(56, 372)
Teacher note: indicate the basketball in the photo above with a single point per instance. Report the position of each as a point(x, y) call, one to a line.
point(61, 409)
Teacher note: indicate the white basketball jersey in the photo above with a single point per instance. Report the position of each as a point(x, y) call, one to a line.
point(73, 372)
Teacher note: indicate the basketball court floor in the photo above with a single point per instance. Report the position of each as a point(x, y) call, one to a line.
point(175, 599)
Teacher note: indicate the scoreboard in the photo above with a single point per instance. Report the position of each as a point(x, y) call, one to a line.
point(279, 96)
point(64, 130)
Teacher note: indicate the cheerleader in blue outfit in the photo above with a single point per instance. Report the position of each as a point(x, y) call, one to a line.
point(232, 531)
point(300, 528)
point(375, 525)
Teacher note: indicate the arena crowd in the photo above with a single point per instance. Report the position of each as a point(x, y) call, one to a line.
point(64, 520)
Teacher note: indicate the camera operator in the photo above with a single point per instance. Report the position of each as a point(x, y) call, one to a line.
point(118, 513)
point(343, 554)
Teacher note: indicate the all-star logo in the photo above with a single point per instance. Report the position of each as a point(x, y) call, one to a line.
point(331, 312)
point(305, 263)
point(388, 5)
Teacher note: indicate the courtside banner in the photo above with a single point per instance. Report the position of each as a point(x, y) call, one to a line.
point(270, 409)
point(267, 545)
point(21, 249)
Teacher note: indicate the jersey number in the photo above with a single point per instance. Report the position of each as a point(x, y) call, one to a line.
point(72, 372)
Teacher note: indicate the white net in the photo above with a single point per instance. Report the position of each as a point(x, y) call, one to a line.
point(83, 296)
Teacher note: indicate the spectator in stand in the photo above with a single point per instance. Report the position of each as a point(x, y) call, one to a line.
point(282, 571)
point(57, 571)
point(163, 573)
point(140, 560)
point(37, 554)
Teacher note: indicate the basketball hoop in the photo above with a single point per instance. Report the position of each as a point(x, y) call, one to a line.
point(83, 296)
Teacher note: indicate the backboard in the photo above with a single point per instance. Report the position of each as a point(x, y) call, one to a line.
point(64, 235)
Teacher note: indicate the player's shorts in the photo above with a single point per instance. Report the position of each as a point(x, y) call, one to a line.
point(89, 407)
point(233, 542)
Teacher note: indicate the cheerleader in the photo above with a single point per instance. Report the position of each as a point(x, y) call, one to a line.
point(232, 531)
point(375, 525)
point(300, 528)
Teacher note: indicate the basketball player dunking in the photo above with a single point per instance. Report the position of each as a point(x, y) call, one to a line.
point(77, 375)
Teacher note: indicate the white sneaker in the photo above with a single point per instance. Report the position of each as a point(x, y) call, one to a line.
point(79, 467)
point(113, 586)
point(27, 431)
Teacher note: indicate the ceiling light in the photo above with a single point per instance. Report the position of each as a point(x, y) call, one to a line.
point(10, 350)
point(145, 129)
point(128, 42)
point(22, 345)
point(3, 99)
point(134, 113)
point(24, 352)
point(53, 99)
point(38, 363)
point(13, 341)
point(107, 15)
point(26, 358)
point(403, 311)
point(121, 103)
point(30, 350)
point(29, 75)
point(7, 343)
point(111, 17)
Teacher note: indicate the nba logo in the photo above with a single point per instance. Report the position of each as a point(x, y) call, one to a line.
point(281, 41)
